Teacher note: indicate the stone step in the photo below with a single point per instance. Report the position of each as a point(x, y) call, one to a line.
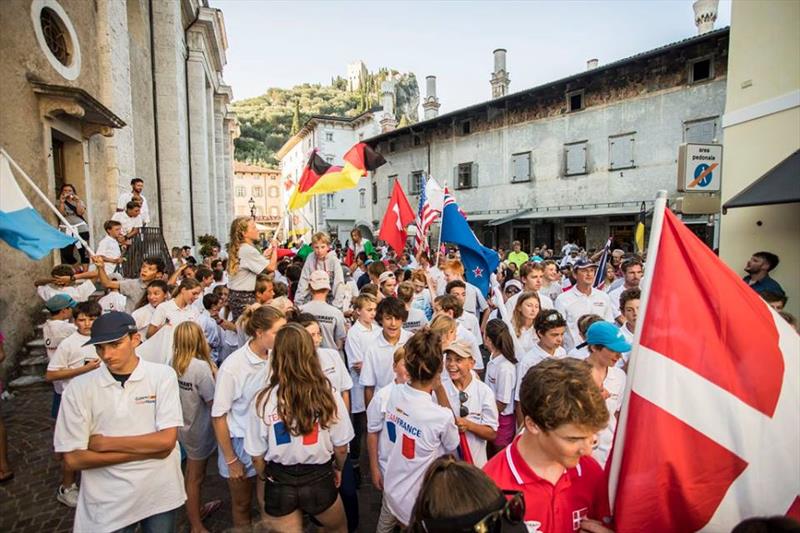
point(27, 381)
point(35, 360)
point(35, 343)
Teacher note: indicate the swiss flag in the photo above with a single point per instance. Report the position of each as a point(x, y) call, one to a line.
point(710, 428)
point(398, 215)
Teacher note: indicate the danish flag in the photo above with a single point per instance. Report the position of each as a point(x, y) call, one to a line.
point(710, 427)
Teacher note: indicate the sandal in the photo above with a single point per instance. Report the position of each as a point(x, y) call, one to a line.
point(209, 508)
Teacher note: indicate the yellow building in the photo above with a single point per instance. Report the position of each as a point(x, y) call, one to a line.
point(762, 129)
point(257, 191)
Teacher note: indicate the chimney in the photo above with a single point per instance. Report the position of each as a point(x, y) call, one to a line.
point(591, 64)
point(500, 79)
point(705, 14)
point(430, 104)
point(388, 121)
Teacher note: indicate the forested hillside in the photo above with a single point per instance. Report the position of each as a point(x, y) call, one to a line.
point(269, 120)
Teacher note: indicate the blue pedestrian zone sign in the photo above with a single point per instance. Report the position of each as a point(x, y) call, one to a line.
point(699, 167)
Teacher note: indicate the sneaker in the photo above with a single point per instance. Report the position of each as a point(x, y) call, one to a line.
point(68, 496)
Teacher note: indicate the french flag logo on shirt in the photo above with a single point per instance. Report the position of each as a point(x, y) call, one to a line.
point(408, 447)
point(282, 435)
point(391, 429)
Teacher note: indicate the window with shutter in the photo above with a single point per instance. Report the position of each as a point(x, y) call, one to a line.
point(464, 175)
point(415, 182)
point(390, 184)
point(575, 158)
point(374, 191)
point(703, 131)
point(521, 167)
point(620, 151)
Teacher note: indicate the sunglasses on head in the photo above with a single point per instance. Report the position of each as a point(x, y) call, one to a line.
point(510, 511)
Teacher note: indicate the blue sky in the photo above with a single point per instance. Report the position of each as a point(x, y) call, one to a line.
point(281, 44)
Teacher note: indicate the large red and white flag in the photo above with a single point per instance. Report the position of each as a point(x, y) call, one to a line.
point(397, 217)
point(710, 428)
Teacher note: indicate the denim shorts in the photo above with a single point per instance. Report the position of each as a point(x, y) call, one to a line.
point(238, 448)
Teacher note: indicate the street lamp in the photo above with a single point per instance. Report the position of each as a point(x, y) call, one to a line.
point(252, 204)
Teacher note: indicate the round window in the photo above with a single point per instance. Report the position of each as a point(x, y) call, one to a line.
point(56, 37)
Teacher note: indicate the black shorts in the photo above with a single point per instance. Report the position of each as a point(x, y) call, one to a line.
point(309, 488)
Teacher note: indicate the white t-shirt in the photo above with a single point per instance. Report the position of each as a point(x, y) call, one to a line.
point(113, 301)
point(421, 431)
point(359, 338)
point(531, 358)
point(482, 410)
point(474, 301)
point(128, 222)
point(628, 334)
point(71, 353)
point(79, 293)
point(109, 247)
point(501, 377)
point(330, 320)
point(334, 369)
point(239, 378)
point(143, 316)
point(470, 323)
point(525, 342)
point(416, 320)
point(376, 416)
point(573, 304)
point(379, 359)
point(54, 332)
point(268, 436)
point(615, 385)
point(116, 496)
point(251, 264)
point(463, 335)
point(126, 197)
point(169, 313)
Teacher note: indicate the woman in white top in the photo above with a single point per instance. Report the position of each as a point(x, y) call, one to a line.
point(297, 435)
point(239, 379)
point(155, 295)
point(191, 359)
point(179, 308)
point(501, 377)
point(245, 262)
point(522, 318)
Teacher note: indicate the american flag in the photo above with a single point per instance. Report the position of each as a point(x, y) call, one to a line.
point(600, 277)
point(426, 216)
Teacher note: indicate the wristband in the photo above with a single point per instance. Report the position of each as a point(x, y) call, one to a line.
point(229, 463)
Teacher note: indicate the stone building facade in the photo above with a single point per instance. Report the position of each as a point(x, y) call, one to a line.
point(95, 93)
point(332, 136)
point(261, 189)
point(572, 159)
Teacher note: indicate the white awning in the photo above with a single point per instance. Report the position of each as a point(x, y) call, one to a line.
point(574, 212)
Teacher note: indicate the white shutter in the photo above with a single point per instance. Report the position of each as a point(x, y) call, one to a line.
point(620, 151)
point(473, 179)
point(575, 158)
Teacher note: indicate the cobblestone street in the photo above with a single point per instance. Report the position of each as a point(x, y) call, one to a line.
point(28, 503)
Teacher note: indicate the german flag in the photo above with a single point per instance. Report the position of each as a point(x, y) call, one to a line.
point(320, 177)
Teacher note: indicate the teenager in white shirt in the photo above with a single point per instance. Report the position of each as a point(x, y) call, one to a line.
point(130, 219)
point(531, 275)
point(191, 359)
point(108, 247)
point(240, 377)
point(606, 344)
point(579, 351)
point(245, 262)
point(629, 305)
point(451, 306)
point(113, 301)
point(422, 429)
point(297, 435)
point(70, 360)
point(376, 371)
point(551, 284)
point(135, 194)
point(424, 292)
point(128, 454)
point(416, 317)
point(471, 400)
point(501, 377)
point(582, 299)
point(59, 326)
point(155, 294)
point(525, 311)
point(61, 281)
point(178, 309)
point(469, 321)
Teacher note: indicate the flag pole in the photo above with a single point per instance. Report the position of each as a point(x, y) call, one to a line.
point(46, 200)
point(618, 447)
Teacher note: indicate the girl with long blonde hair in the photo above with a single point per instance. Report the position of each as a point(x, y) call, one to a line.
point(191, 359)
point(297, 435)
point(245, 263)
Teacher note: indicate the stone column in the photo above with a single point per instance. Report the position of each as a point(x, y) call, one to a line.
point(170, 83)
point(231, 129)
point(219, 158)
point(198, 135)
point(212, 164)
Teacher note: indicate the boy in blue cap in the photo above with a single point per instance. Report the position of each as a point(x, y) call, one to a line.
point(119, 426)
point(606, 344)
point(59, 326)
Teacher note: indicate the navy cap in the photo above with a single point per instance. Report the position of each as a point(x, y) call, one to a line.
point(608, 335)
point(111, 327)
point(60, 301)
point(583, 263)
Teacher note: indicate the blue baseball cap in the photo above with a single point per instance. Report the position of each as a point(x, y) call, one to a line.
point(111, 327)
point(583, 263)
point(60, 301)
point(608, 335)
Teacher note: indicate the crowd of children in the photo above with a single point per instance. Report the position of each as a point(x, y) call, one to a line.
point(288, 368)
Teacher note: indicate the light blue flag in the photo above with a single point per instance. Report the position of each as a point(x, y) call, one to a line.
point(21, 226)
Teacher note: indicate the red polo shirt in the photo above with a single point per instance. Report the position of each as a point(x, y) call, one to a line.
point(581, 492)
